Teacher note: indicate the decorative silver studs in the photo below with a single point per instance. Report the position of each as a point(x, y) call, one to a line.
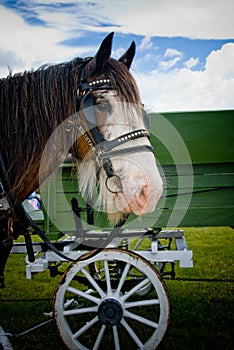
point(101, 81)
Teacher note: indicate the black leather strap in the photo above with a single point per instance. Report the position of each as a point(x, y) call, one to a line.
point(109, 145)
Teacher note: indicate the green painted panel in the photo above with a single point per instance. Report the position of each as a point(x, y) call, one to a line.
point(198, 169)
point(212, 180)
point(210, 208)
point(216, 198)
point(207, 136)
point(198, 217)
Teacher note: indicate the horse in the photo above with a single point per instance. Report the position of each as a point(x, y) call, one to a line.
point(106, 130)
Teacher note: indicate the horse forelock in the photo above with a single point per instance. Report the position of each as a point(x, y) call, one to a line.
point(122, 80)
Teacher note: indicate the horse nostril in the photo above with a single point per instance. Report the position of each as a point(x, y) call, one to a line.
point(143, 196)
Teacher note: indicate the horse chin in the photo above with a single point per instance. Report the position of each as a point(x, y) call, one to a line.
point(99, 198)
point(115, 218)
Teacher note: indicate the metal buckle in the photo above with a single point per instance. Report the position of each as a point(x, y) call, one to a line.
point(4, 204)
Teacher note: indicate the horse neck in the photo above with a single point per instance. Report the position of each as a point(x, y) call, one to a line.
point(32, 105)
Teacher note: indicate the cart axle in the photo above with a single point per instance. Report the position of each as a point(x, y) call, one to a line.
point(110, 312)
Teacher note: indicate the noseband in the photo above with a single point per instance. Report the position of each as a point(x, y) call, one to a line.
point(103, 149)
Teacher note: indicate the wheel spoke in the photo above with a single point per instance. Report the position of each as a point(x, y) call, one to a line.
point(133, 290)
point(83, 294)
point(132, 334)
point(80, 311)
point(85, 327)
point(99, 338)
point(68, 303)
point(93, 282)
point(107, 273)
point(123, 277)
point(142, 303)
point(84, 317)
point(141, 319)
point(116, 338)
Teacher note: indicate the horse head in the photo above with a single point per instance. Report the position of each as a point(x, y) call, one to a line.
point(117, 169)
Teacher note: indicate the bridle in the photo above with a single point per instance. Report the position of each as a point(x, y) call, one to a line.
point(102, 149)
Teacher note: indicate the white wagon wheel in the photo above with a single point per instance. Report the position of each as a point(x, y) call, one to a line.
point(107, 312)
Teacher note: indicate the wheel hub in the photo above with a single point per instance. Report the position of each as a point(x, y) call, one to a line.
point(110, 312)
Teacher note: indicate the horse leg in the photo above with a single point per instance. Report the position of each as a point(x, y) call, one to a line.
point(6, 243)
point(5, 249)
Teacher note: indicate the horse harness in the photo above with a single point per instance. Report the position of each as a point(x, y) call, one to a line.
point(10, 213)
point(102, 149)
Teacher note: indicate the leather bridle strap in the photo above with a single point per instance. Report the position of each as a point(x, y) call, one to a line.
point(105, 150)
point(109, 145)
point(143, 148)
point(102, 148)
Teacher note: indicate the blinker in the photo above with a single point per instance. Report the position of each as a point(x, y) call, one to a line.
point(88, 109)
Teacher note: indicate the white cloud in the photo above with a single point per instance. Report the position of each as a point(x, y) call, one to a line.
point(149, 57)
point(192, 62)
point(34, 45)
point(145, 44)
point(173, 52)
point(118, 52)
point(192, 18)
point(184, 89)
point(166, 65)
point(221, 62)
point(25, 47)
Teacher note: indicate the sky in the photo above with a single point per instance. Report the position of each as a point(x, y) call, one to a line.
point(185, 48)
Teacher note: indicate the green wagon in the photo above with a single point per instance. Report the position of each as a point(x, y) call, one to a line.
point(110, 292)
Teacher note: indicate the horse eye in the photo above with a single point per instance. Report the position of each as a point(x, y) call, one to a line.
point(104, 107)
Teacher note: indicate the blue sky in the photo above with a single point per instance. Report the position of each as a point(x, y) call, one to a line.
point(185, 48)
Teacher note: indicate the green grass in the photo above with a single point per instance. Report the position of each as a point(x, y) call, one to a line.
point(201, 312)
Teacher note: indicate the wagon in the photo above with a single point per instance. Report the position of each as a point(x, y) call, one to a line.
point(117, 274)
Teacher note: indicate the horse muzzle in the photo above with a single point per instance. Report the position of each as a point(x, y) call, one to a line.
point(139, 197)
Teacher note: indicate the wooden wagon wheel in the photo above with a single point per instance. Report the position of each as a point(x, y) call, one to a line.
point(108, 312)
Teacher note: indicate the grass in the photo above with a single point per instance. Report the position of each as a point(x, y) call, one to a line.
point(201, 312)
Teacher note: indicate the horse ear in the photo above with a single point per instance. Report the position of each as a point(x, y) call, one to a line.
point(103, 54)
point(128, 56)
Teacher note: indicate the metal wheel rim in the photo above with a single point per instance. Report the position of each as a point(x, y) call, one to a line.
point(63, 313)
